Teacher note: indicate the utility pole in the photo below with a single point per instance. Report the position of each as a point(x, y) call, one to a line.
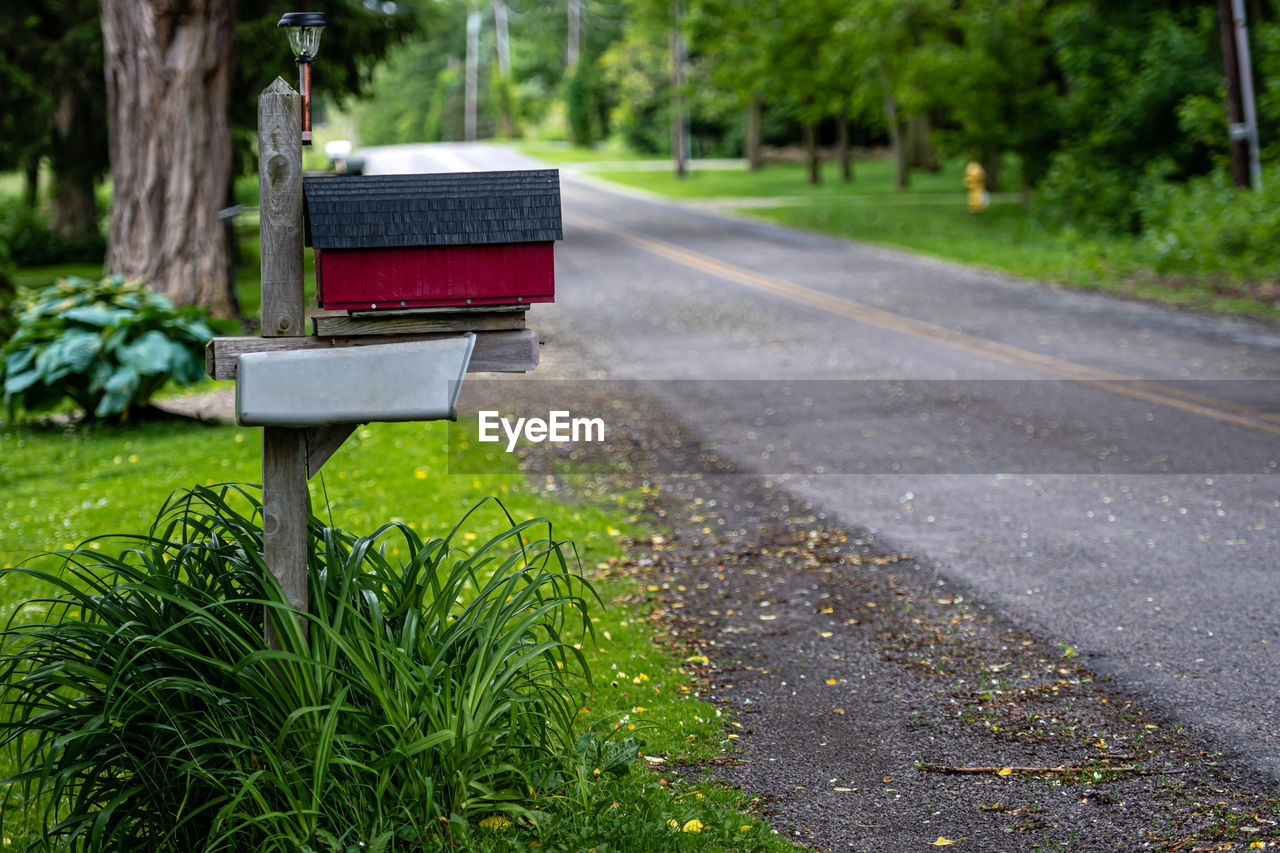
point(472, 74)
point(506, 107)
point(679, 115)
point(1246, 94)
point(504, 41)
point(1242, 119)
point(575, 35)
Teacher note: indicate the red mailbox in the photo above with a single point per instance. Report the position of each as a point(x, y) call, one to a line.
point(454, 239)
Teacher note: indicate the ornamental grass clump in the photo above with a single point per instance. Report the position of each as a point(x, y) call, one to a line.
point(145, 712)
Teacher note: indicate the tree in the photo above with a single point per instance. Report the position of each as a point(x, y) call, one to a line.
point(892, 42)
point(170, 71)
point(1133, 73)
point(51, 104)
point(997, 82)
point(728, 34)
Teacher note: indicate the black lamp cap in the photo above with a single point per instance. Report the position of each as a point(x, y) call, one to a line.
point(303, 19)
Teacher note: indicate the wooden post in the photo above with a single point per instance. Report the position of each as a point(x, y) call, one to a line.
point(284, 451)
point(280, 185)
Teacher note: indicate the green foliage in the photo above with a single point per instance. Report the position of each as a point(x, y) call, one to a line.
point(107, 345)
point(417, 95)
point(58, 487)
point(30, 242)
point(637, 69)
point(997, 85)
point(586, 106)
point(1142, 87)
point(1266, 56)
point(51, 59)
point(415, 696)
point(504, 97)
point(1082, 193)
point(1206, 226)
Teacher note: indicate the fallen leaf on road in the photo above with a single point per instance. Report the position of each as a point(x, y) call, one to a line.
point(1004, 771)
point(943, 842)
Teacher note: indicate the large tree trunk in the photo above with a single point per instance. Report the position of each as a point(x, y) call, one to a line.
point(31, 186)
point(846, 150)
point(991, 165)
point(811, 158)
point(895, 140)
point(168, 70)
point(919, 146)
point(902, 177)
point(679, 127)
point(73, 162)
point(753, 149)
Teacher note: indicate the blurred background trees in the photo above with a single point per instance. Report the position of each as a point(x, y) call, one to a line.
point(1085, 101)
point(1102, 112)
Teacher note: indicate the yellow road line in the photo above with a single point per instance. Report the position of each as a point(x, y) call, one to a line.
point(1118, 383)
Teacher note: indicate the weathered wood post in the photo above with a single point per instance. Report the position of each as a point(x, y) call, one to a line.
point(284, 452)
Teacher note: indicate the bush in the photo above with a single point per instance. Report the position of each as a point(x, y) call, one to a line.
point(1079, 194)
point(149, 714)
point(31, 243)
point(107, 345)
point(1206, 226)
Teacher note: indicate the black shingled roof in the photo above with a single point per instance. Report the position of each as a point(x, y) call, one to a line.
point(446, 209)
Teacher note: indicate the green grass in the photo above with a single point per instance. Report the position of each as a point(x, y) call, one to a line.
point(38, 278)
point(931, 217)
point(563, 152)
point(61, 487)
point(871, 178)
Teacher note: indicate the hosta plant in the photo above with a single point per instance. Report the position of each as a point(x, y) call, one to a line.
point(414, 699)
point(106, 345)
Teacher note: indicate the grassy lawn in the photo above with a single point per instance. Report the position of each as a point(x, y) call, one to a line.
point(931, 217)
point(62, 487)
point(563, 152)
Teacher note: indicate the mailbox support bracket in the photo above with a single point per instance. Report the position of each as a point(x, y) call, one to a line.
point(323, 442)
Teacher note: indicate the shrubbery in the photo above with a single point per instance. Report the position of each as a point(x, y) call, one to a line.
point(1201, 228)
point(1088, 196)
point(411, 702)
point(1206, 226)
point(31, 243)
point(107, 345)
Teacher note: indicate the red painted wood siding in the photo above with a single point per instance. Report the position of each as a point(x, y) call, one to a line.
point(502, 274)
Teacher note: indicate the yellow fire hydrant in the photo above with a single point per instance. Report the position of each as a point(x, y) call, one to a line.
point(975, 181)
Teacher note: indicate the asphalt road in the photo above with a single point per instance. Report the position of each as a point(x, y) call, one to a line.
point(1102, 471)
